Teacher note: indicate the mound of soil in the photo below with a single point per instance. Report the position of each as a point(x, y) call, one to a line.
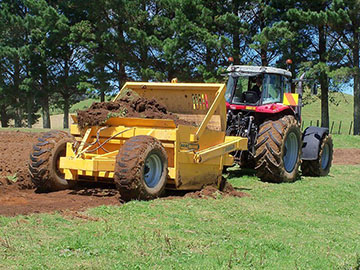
point(214, 193)
point(129, 105)
point(15, 148)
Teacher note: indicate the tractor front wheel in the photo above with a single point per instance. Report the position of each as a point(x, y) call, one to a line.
point(320, 166)
point(278, 150)
point(44, 161)
point(141, 169)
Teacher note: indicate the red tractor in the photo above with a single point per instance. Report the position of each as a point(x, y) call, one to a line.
point(262, 107)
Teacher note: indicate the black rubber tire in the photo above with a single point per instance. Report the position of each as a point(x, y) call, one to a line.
point(43, 165)
point(313, 167)
point(130, 168)
point(270, 150)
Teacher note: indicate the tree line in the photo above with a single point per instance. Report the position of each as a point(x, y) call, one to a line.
point(54, 52)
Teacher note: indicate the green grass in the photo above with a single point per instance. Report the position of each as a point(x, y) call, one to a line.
point(310, 224)
point(346, 141)
point(84, 104)
point(341, 109)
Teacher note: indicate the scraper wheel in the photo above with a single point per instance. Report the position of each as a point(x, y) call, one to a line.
point(141, 169)
point(44, 161)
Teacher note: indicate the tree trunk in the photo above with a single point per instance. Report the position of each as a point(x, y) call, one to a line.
point(121, 75)
point(18, 116)
point(4, 118)
point(66, 111)
point(29, 110)
point(45, 111)
point(236, 48)
point(324, 84)
point(18, 109)
point(356, 83)
point(44, 100)
point(102, 84)
point(236, 36)
point(263, 50)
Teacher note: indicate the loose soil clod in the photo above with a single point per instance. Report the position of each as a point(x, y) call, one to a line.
point(129, 105)
point(214, 193)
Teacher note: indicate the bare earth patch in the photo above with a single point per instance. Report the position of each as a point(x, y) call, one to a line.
point(346, 156)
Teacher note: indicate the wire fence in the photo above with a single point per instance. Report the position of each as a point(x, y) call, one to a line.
point(336, 127)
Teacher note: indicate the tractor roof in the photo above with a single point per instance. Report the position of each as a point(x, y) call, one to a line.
point(256, 70)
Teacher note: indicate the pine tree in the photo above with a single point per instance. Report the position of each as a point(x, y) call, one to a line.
point(347, 28)
point(317, 17)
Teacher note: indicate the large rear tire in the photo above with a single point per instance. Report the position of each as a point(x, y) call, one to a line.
point(141, 169)
point(44, 162)
point(278, 150)
point(321, 166)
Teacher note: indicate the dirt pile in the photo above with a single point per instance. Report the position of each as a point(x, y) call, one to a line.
point(128, 105)
point(214, 193)
point(15, 148)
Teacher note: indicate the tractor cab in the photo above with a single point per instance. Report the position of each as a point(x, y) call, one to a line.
point(256, 85)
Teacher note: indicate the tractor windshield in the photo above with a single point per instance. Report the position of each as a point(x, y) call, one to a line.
point(235, 88)
point(274, 87)
point(256, 90)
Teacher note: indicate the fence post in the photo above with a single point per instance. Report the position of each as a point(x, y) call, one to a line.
point(332, 126)
point(350, 127)
point(317, 122)
point(340, 127)
point(310, 123)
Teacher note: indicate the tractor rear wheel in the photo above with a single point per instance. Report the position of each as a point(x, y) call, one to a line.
point(44, 161)
point(320, 166)
point(141, 169)
point(278, 150)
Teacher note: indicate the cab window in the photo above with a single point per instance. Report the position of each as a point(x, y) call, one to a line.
point(272, 86)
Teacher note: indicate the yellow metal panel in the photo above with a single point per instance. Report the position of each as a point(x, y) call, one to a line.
point(195, 176)
point(140, 122)
point(102, 174)
point(159, 133)
point(188, 98)
point(220, 97)
point(171, 173)
point(231, 144)
point(87, 164)
point(228, 160)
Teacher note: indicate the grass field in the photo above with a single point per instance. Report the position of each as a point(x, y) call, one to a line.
point(310, 224)
point(341, 108)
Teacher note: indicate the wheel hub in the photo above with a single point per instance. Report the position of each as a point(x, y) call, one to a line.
point(291, 151)
point(325, 157)
point(153, 170)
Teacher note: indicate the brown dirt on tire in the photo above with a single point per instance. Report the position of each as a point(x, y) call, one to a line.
point(130, 165)
point(346, 156)
point(129, 105)
point(270, 149)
